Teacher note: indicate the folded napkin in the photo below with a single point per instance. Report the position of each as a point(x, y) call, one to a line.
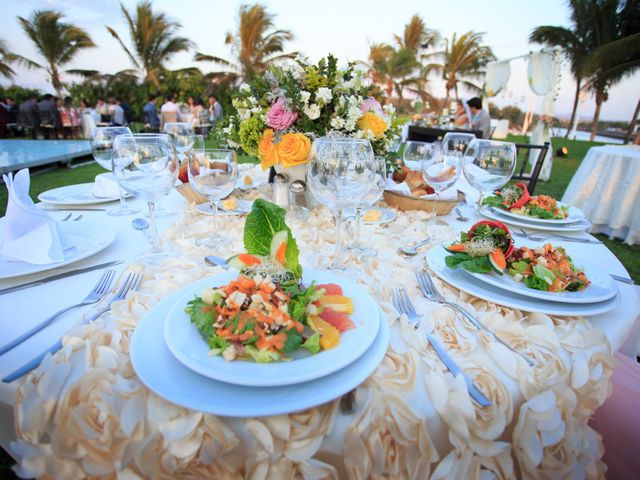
point(448, 194)
point(30, 235)
point(105, 186)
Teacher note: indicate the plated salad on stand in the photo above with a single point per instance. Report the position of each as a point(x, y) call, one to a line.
point(488, 247)
point(516, 199)
point(267, 313)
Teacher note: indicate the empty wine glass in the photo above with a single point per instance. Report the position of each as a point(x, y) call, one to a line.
point(373, 195)
point(456, 141)
point(213, 173)
point(102, 150)
point(339, 174)
point(181, 134)
point(146, 166)
point(441, 171)
point(415, 152)
point(488, 165)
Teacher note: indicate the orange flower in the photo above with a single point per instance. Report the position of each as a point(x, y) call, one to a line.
point(371, 121)
point(293, 149)
point(268, 151)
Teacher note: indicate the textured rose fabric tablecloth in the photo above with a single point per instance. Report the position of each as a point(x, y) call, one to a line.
point(84, 413)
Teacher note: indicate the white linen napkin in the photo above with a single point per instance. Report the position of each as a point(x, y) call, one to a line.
point(30, 234)
point(105, 186)
point(448, 194)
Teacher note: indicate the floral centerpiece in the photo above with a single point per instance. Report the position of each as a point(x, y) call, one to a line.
point(279, 113)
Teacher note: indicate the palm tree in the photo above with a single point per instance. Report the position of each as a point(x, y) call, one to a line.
point(256, 45)
point(573, 41)
point(392, 68)
point(417, 36)
point(56, 41)
point(464, 59)
point(154, 40)
point(6, 58)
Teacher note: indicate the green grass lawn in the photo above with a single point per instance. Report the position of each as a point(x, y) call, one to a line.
point(563, 170)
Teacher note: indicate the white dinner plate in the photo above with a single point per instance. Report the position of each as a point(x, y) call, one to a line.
point(88, 239)
point(163, 374)
point(79, 194)
point(485, 291)
point(575, 215)
point(189, 348)
point(387, 215)
point(521, 221)
point(242, 208)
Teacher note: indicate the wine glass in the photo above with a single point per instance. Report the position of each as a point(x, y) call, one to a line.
point(146, 166)
point(373, 195)
point(441, 171)
point(339, 174)
point(456, 141)
point(415, 152)
point(213, 173)
point(181, 134)
point(488, 165)
point(102, 150)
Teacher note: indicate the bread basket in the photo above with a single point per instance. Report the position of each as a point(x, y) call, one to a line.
point(406, 202)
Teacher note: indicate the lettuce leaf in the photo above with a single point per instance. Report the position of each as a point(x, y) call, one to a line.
point(201, 315)
point(261, 356)
point(494, 201)
point(312, 343)
point(293, 341)
point(468, 263)
point(535, 211)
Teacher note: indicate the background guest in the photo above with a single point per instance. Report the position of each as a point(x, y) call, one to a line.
point(480, 119)
point(150, 115)
point(461, 119)
point(215, 110)
point(170, 112)
point(29, 115)
point(118, 118)
point(128, 111)
point(49, 116)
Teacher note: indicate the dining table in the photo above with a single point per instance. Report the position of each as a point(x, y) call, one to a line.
point(84, 412)
point(605, 188)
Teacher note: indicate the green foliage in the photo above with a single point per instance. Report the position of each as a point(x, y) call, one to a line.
point(250, 133)
point(201, 315)
point(468, 263)
point(18, 94)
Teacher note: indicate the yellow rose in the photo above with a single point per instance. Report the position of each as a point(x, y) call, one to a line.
point(293, 149)
point(268, 151)
point(371, 121)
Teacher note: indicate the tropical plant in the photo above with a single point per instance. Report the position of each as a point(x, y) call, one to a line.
point(417, 36)
point(463, 61)
point(256, 45)
point(56, 41)
point(154, 40)
point(6, 58)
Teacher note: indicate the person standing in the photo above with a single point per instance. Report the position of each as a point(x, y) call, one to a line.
point(50, 115)
point(151, 119)
point(170, 112)
point(215, 110)
point(117, 113)
point(29, 116)
point(480, 119)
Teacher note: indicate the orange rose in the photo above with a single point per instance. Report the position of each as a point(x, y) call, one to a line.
point(268, 151)
point(371, 121)
point(293, 149)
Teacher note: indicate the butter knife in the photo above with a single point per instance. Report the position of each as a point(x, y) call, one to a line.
point(59, 276)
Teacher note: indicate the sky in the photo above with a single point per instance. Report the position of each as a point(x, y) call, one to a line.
point(345, 28)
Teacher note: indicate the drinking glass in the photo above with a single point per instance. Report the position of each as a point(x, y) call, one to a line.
point(415, 152)
point(102, 150)
point(181, 134)
point(373, 195)
point(441, 170)
point(488, 165)
point(213, 173)
point(146, 166)
point(456, 141)
point(339, 174)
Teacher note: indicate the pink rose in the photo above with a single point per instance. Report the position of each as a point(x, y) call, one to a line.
point(279, 117)
point(371, 104)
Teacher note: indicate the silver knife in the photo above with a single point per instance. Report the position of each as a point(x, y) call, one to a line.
point(59, 276)
point(72, 209)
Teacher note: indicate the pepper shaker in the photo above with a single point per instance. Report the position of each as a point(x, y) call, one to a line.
point(297, 189)
point(281, 190)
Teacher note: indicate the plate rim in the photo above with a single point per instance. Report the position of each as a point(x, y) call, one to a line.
point(567, 227)
point(547, 221)
point(112, 235)
point(256, 380)
point(354, 374)
point(481, 291)
point(89, 185)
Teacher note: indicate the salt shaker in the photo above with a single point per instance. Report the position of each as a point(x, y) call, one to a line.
point(281, 190)
point(296, 211)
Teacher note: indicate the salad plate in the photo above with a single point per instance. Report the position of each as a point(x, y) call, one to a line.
point(574, 215)
point(79, 194)
point(523, 222)
point(188, 346)
point(469, 284)
point(87, 238)
point(158, 369)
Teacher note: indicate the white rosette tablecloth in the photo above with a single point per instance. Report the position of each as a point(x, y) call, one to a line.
point(605, 188)
point(85, 413)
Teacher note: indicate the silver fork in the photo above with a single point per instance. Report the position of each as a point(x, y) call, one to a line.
point(428, 289)
point(101, 288)
point(542, 237)
point(131, 282)
point(67, 217)
point(403, 304)
point(79, 217)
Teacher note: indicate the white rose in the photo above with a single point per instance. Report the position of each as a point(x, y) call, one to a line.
point(244, 87)
point(350, 125)
point(336, 123)
point(257, 109)
point(312, 111)
point(324, 95)
point(305, 96)
point(252, 100)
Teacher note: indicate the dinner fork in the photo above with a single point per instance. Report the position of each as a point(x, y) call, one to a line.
point(403, 304)
point(428, 289)
point(131, 283)
point(67, 217)
point(101, 288)
point(542, 237)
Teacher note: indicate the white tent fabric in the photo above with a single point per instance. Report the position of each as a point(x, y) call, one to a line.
point(496, 77)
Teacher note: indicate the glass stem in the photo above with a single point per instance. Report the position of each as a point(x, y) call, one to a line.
point(123, 203)
point(214, 208)
point(479, 206)
point(155, 240)
point(356, 240)
point(433, 208)
point(338, 254)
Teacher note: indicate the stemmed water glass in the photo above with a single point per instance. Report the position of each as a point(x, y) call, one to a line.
point(339, 174)
point(440, 171)
point(488, 165)
point(415, 151)
point(213, 173)
point(373, 195)
point(146, 166)
point(456, 142)
point(181, 134)
point(102, 150)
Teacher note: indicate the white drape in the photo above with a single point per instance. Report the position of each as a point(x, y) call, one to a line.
point(496, 77)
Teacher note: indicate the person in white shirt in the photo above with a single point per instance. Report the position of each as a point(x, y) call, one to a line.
point(170, 106)
point(117, 113)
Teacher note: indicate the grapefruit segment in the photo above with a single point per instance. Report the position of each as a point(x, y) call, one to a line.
point(338, 319)
point(331, 288)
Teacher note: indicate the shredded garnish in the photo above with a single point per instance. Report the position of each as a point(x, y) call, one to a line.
point(479, 247)
point(272, 268)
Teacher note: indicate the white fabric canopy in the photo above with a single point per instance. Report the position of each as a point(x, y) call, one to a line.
point(496, 77)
